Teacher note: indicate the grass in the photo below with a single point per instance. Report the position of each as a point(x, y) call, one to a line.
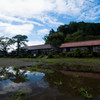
point(17, 96)
point(91, 64)
point(58, 83)
point(16, 67)
point(64, 60)
point(84, 93)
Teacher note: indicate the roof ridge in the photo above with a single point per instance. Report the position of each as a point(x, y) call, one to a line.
point(80, 41)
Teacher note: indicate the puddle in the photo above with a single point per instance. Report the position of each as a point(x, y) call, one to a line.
point(46, 86)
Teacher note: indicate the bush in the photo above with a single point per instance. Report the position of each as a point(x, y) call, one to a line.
point(77, 53)
point(69, 54)
point(90, 55)
point(84, 52)
point(40, 56)
point(51, 54)
point(56, 56)
point(98, 53)
point(62, 54)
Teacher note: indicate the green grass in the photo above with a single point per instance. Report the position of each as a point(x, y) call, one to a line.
point(56, 60)
point(58, 83)
point(84, 93)
point(16, 67)
point(87, 64)
point(64, 60)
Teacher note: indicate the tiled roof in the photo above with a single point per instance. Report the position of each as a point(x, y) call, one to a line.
point(80, 44)
point(44, 46)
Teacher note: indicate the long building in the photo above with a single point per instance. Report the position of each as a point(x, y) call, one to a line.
point(40, 49)
point(92, 46)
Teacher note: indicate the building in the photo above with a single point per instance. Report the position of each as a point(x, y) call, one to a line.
point(40, 49)
point(91, 45)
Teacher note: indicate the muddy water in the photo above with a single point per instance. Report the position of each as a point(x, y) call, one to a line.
point(46, 86)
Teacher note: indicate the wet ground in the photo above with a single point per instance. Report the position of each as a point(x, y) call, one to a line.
point(15, 62)
point(21, 84)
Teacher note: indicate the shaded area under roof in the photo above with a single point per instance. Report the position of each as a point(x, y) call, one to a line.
point(37, 47)
point(81, 44)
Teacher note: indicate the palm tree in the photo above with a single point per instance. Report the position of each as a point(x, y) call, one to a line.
point(20, 40)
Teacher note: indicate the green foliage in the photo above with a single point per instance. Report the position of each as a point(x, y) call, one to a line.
point(40, 56)
point(77, 53)
point(98, 53)
point(58, 83)
point(76, 76)
point(54, 39)
point(84, 92)
point(16, 67)
point(5, 44)
point(84, 52)
point(69, 54)
point(20, 40)
point(50, 72)
point(21, 93)
point(75, 31)
point(52, 54)
point(62, 54)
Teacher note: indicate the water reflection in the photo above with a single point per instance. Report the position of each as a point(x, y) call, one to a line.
point(20, 80)
point(46, 86)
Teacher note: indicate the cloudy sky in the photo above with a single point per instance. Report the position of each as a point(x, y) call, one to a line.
point(35, 18)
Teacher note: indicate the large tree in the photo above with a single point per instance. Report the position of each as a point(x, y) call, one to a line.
point(20, 40)
point(5, 44)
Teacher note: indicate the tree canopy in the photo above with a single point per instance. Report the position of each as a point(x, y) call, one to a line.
point(20, 40)
point(5, 44)
point(75, 31)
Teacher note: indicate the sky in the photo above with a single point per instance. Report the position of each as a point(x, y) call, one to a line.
point(35, 18)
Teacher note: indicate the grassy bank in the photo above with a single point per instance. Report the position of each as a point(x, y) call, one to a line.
point(76, 64)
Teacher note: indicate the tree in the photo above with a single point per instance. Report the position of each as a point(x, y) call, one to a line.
point(55, 39)
point(20, 40)
point(51, 31)
point(74, 31)
point(5, 44)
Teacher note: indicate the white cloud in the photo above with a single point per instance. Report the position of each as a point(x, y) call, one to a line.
point(31, 43)
point(28, 13)
point(43, 31)
point(30, 8)
point(11, 29)
point(11, 19)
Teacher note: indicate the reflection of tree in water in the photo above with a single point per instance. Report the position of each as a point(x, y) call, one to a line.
point(16, 76)
point(57, 77)
point(71, 84)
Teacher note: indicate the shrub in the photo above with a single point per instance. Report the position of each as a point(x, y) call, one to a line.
point(84, 52)
point(77, 53)
point(62, 54)
point(69, 54)
point(40, 56)
point(98, 53)
point(90, 55)
point(56, 56)
point(51, 54)
point(95, 54)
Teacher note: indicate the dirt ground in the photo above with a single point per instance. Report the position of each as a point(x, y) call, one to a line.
point(15, 62)
point(25, 63)
point(84, 74)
